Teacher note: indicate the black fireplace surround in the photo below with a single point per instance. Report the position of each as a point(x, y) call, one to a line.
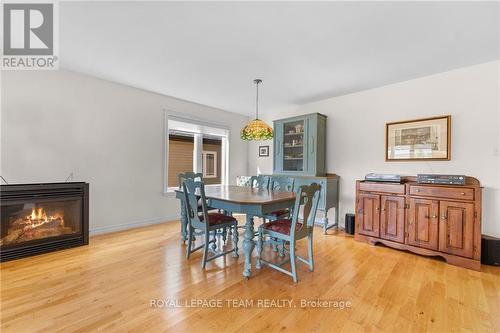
point(40, 218)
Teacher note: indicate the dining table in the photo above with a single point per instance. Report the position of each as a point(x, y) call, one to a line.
point(252, 202)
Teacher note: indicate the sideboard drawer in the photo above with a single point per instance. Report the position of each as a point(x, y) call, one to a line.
point(446, 192)
point(382, 187)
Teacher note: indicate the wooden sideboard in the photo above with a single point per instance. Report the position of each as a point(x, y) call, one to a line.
point(431, 220)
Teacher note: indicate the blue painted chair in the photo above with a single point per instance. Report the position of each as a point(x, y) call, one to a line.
point(280, 184)
point(205, 222)
point(291, 230)
point(189, 175)
point(260, 181)
point(243, 181)
point(180, 179)
point(196, 176)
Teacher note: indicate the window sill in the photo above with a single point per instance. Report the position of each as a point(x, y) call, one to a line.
point(170, 193)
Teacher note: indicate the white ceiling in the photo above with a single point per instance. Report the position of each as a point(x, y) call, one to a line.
point(210, 52)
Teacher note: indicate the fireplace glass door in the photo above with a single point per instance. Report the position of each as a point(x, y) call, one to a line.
point(39, 220)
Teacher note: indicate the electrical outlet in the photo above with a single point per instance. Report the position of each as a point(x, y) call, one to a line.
point(496, 151)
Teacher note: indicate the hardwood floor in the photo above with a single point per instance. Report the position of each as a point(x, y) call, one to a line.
point(109, 285)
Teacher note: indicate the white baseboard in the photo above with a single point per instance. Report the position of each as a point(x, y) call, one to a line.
point(132, 225)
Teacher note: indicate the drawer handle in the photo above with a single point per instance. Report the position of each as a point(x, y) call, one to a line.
point(443, 217)
point(383, 209)
point(377, 209)
point(434, 217)
point(417, 190)
point(463, 193)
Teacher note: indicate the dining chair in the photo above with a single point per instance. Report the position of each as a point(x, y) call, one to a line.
point(243, 181)
point(197, 176)
point(261, 182)
point(279, 183)
point(205, 222)
point(291, 230)
point(189, 175)
point(284, 184)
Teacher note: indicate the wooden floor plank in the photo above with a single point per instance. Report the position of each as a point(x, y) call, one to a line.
point(109, 285)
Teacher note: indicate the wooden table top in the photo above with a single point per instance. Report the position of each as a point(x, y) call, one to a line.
point(246, 195)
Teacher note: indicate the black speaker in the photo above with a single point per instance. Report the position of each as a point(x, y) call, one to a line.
point(490, 250)
point(349, 224)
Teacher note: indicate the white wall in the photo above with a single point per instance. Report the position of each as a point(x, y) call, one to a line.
point(356, 126)
point(110, 135)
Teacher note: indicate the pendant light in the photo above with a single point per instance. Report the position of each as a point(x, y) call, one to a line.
point(257, 129)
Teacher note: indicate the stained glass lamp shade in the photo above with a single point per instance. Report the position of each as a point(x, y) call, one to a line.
point(257, 129)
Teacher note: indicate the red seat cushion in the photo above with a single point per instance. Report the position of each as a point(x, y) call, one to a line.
point(282, 226)
point(280, 212)
point(218, 218)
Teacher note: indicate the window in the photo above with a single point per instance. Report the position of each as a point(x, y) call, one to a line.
point(209, 164)
point(194, 146)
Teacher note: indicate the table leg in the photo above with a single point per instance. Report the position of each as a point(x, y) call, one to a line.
point(325, 221)
point(248, 245)
point(183, 223)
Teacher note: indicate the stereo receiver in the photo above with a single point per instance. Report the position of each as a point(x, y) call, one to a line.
point(441, 179)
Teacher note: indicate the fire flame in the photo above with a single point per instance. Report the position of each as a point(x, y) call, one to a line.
point(38, 214)
point(39, 217)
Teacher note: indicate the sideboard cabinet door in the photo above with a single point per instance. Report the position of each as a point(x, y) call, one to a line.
point(422, 223)
point(392, 218)
point(456, 232)
point(369, 214)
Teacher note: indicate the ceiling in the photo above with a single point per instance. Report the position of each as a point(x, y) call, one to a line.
point(210, 53)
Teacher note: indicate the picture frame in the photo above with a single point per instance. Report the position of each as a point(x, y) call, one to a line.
point(263, 151)
point(426, 139)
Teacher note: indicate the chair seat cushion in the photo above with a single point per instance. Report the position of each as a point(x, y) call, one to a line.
point(218, 218)
point(280, 212)
point(281, 226)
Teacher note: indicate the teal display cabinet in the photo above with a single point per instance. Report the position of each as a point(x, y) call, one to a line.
point(300, 152)
point(300, 145)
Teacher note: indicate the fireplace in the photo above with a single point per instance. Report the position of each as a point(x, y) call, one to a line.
point(39, 218)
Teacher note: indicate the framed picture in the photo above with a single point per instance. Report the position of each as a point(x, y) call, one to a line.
point(426, 139)
point(263, 151)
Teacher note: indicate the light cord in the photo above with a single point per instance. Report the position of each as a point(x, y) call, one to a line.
point(257, 101)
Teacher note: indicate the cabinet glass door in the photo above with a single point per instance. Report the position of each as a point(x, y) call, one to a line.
point(293, 146)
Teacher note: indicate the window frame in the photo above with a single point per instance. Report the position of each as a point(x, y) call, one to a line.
point(225, 150)
point(204, 155)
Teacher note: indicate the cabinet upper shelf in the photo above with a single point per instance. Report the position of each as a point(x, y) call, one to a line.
point(300, 147)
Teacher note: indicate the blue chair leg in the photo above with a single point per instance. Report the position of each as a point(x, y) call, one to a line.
point(190, 241)
point(282, 248)
point(292, 261)
point(205, 249)
point(274, 244)
point(310, 251)
point(259, 249)
point(235, 241)
point(214, 244)
point(224, 235)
